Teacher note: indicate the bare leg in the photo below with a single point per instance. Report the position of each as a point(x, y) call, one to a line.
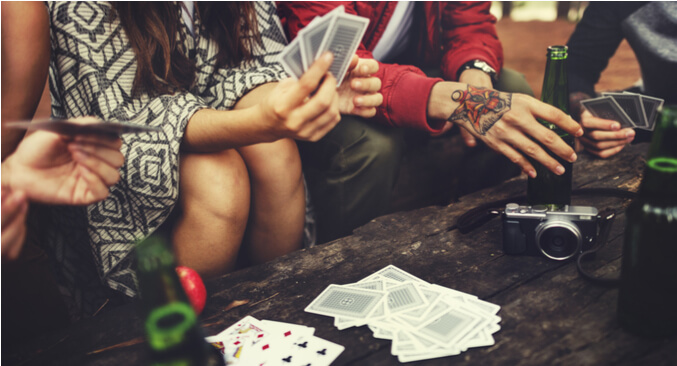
point(214, 204)
point(278, 199)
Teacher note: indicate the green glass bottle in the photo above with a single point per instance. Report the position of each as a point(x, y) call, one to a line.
point(173, 333)
point(549, 189)
point(647, 298)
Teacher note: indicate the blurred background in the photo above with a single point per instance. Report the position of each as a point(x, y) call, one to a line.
point(526, 29)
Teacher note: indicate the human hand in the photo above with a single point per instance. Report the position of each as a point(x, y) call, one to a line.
point(358, 93)
point(604, 137)
point(55, 169)
point(300, 110)
point(507, 123)
point(14, 210)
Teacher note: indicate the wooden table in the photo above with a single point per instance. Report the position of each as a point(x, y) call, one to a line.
point(550, 314)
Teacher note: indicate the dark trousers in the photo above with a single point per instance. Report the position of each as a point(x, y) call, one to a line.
point(351, 172)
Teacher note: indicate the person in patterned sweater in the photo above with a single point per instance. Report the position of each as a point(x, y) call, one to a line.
point(225, 164)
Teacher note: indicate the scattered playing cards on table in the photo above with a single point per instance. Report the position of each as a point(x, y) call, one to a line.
point(423, 320)
point(629, 109)
point(265, 342)
point(337, 32)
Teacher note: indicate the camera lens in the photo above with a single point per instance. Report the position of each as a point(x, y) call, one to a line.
point(558, 240)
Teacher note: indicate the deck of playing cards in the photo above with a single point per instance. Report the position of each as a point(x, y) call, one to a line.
point(337, 32)
point(265, 342)
point(629, 109)
point(423, 320)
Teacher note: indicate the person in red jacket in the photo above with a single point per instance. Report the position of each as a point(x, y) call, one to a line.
point(352, 170)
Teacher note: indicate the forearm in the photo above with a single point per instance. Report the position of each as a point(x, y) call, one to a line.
point(440, 104)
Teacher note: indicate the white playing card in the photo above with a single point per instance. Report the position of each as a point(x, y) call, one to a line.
point(393, 273)
point(291, 58)
point(345, 301)
point(312, 351)
point(342, 40)
point(312, 36)
point(404, 297)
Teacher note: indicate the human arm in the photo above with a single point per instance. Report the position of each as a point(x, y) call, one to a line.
point(25, 62)
point(14, 210)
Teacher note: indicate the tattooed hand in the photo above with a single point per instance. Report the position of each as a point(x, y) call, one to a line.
point(480, 107)
point(506, 122)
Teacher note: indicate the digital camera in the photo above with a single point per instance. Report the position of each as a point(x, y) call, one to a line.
point(557, 234)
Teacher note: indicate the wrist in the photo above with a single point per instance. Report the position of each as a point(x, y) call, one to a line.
point(7, 174)
point(440, 104)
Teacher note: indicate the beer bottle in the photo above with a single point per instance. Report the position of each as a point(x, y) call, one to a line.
point(173, 333)
point(647, 298)
point(549, 189)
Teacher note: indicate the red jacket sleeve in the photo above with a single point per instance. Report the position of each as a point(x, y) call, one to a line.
point(405, 89)
point(469, 33)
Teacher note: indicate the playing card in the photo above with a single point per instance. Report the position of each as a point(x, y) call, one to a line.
point(342, 40)
point(396, 274)
point(291, 58)
point(312, 35)
point(404, 297)
point(66, 127)
point(651, 106)
point(632, 106)
point(447, 329)
point(310, 351)
point(345, 301)
point(607, 108)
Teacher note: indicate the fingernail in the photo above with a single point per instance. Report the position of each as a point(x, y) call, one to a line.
point(573, 157)
point(327, 56)
point(358, 101)
point(358, 84)
point(531, 173)
point(630, 133)
point(615, 126)
point(559, 170)
point(579, 133)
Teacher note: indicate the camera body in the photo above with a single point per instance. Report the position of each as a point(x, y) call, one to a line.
point(557, 234)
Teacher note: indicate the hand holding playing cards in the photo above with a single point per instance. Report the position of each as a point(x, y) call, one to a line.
point(57, 169)
point(604, 137)
point(358, 94)
point(307, 108)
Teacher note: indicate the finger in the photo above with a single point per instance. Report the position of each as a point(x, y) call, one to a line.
point(353, 63)
point(106, 173)
point(366, 67)
point(551, 141)
point(601, 145)
point(531, 149)
point(365, 85)
point(588, 121)
point(324, 124)
point(606, 152)
point(368, 101)
point(309, 81)
point(89, 188)
point(600, 135)
point(364, 112)
point(112, 157)
point(556, 116)
point(12, 204)
point(319, 103)
point(515, 156)
point(468, 138)
point(14, 231)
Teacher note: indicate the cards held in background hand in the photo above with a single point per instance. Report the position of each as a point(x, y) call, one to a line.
point(96, 127)
point(265, 342)
point(337, 32)
point(629, 109)
point(423, 320)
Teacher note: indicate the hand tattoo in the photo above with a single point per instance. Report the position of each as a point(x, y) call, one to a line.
point(480, 107)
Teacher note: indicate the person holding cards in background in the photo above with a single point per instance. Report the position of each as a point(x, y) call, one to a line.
point(352, 171)
point(651, 30)
point(224, 164)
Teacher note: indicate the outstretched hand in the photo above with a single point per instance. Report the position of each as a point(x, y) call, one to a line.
point(358, 93)
point(604, 137)
point(507, 123)
point(55, 169)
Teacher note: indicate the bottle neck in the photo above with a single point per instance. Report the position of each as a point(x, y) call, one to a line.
point(555, 89)
point(659, 184)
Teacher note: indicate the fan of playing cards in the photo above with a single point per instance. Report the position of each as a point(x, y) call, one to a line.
point(423, 320)
point(629, 109)
point(256, 342)
point(337, 32)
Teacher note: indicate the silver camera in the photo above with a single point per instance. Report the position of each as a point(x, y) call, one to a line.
point(557, 234)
